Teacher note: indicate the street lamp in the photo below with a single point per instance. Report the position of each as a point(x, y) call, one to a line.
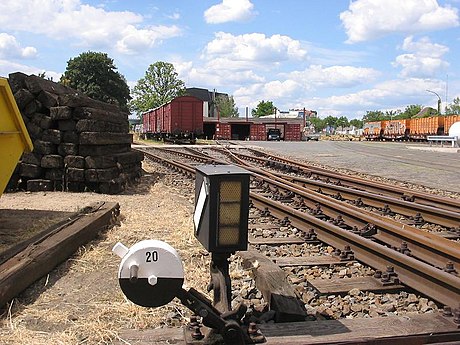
point(439, 101)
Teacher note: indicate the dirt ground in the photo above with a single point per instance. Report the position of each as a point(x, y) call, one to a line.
point(80, 302)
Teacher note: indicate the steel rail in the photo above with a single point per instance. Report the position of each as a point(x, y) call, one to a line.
point(425, 246)
point(433, 282)
point(429, 280)
point(428, 247)
point(429, 214)
point(359, 183)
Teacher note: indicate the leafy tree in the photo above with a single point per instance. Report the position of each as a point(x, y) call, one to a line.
point(356, 123)
point(342, 121)
point(375, 115)
point(160, 85)
point(227, 106)
point(393, 115)
point(318, 123)
point(454, 107)
point(330, 121)
point(263, 108)
point(411, 111)
point(96, 75)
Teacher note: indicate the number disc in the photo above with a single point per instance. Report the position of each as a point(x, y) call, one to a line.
point(151, 273)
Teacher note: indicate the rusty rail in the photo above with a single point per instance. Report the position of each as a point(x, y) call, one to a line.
point(359, 183)
point(423, 277)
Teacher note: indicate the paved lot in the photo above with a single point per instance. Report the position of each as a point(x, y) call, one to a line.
point(415, 163)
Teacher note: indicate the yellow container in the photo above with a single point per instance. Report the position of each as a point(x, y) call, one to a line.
point(14, 138)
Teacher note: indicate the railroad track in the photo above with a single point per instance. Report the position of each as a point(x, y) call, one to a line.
point(432, 216)
point(400, 255)
point(266, 159)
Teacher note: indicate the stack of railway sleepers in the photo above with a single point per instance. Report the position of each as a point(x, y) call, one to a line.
point(80, 144)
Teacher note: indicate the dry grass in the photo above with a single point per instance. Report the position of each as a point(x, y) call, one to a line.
point(80, 301)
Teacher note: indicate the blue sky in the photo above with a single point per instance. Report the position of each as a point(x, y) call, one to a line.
point(334, 56)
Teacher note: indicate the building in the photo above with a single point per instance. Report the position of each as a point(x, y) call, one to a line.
point(209, 99)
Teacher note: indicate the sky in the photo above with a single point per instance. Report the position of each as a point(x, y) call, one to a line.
point(338, 57)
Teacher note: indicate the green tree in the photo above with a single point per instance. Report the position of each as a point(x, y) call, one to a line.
point(342, 121)
point(227, 106)
point(357, 123)
point(331, 121)
point(393, 115)
point(454, 107)
point(411, 111)
point(95, 75)
point(375, 115)
point(160, 85)
point(318, 123)
point(263, 108)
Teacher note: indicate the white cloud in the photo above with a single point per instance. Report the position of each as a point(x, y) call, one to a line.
point(282, 93)
point(10, 48)
point(229, 11)
point(255, 47)
point(7, 67)
point(174, 16)
point(211, 76)
point(134, 40)
point(369, 19)
point(335, 76)
point(87, 25)
point(424, 59)
point(391, 94)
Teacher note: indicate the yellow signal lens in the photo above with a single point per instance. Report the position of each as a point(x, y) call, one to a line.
point(229, 213)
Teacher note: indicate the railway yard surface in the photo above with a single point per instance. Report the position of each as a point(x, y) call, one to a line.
point(80, 302)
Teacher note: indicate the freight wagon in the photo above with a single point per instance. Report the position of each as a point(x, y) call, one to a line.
point(179, 121)
point(372, 130)
point(415, 129)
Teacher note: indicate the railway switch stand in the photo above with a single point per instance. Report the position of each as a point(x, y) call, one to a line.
point(151, 273)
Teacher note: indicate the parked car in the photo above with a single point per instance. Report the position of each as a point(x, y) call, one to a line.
point(274, 134)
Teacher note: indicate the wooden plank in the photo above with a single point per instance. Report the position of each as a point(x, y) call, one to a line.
point(424, 328)
point(275, 240)
point(322, 260)
point(105, 138)
point(76, 100)
point(157, 336)
point(97, 114)
point(31, 227)
point(37, 84)
point(399, 330)
point(272, 281)
point(343, 285)
point(42, 256)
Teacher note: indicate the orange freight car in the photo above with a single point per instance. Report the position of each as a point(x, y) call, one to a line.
point(372, 130)
point(396, 129)
point(422, 127)
point(449, 121)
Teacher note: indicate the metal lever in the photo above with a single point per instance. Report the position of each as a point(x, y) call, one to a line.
point(228, 324)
